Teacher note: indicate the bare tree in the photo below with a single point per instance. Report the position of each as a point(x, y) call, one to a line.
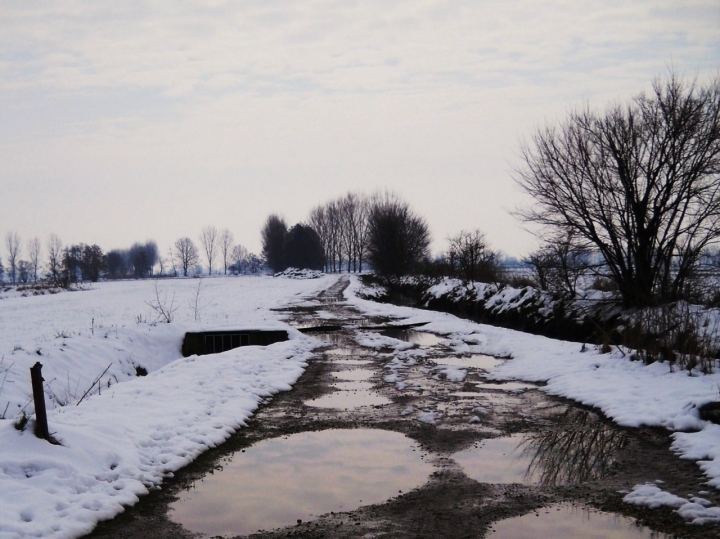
point(226, 244)
point(639, 183)
point(470, 255)
point(12, 244)
point(239, 259)
point(342, 225)
point(209, 241)
point(318, 220)
point(353, 229)
point(33, 247)
point(186, 254)
point(55, 254)
point(559, 265)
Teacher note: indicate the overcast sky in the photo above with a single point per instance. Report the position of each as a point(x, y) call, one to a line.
point(126, 121)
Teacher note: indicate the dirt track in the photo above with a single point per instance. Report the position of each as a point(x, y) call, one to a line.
point(450, 504)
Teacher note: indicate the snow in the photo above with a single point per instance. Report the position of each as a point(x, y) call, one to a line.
point(295, 273)
point(694, 509)
point(117, 445)
point(629, 392)
point(376, 340)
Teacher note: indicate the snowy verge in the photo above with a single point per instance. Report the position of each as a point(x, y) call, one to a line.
point(629, 392)
point(121, 443)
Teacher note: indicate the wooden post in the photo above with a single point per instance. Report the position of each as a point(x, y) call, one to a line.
point(41, 426)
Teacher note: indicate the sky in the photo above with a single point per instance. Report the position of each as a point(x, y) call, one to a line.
point(127, 121)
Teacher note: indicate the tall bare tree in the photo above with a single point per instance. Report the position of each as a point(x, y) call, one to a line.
point(353, 229)
point(186, 255)
point(226, 245)
point(470, 255)
point(33, 247)
point(342, 225)
point(209, 242)
point(55, 254)
point(12, 244)
point(639, 183)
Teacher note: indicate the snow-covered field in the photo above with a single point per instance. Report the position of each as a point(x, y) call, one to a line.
point(118, 444)
point(629, 392)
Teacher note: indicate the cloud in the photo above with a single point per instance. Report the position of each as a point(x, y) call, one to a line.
point(313, 97)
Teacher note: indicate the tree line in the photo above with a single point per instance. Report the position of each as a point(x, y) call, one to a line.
point(64, 265)
point(348, 234)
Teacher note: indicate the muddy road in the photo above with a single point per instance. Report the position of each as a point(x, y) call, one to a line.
point(379, 444)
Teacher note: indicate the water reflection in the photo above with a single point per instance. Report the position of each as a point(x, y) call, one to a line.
point(497, 460)
point(352, 393)
point(349, 400)
point(420, 338)
point(507, 386)
point(579, 448)
point(333, 337)
point(276, 482)
point(478, 361)
point(565, 521)
point(354, 374)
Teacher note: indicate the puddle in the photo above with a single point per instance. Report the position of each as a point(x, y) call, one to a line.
point(353, 361)
point(348, 400)
point(350, 395)
point(565, 521)
point(498, 460)
point(353, 386)
point(333, 337)
point(355, 374)
point(492, 399)
point(276, 482)
point(414, 337)
point(508, 386)
point(579, 448)
point(349, 351)
point(477, 361)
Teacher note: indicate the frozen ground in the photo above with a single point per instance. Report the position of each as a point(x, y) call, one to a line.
point(118, 444)
point(631, 393)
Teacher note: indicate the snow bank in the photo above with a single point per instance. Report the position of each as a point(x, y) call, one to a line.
point(631, 393)
point(119, 444)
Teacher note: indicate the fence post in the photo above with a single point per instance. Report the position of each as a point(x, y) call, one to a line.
point(41, 426)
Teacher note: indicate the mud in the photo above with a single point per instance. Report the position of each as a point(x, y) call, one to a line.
point(576, 456)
